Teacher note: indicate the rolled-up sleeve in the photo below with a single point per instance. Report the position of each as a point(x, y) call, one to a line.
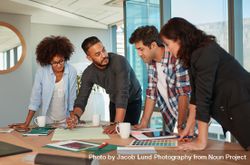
point(182, 81)
point(72, 88)
point(151, 91)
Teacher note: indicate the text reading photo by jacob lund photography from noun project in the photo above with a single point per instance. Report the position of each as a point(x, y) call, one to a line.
point(186, 157)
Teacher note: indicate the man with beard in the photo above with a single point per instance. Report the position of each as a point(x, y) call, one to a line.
point(112, 72)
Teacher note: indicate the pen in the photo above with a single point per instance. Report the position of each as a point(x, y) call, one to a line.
point(186, 137)
point(102, 145)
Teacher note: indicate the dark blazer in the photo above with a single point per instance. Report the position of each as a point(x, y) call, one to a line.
point(221, 89)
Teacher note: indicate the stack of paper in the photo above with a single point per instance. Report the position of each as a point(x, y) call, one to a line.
point(135, 150)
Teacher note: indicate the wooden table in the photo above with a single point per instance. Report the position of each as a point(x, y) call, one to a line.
point(215, 150)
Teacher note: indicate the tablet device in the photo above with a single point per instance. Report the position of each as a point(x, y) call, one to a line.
point(152, 135)
point(72, 145)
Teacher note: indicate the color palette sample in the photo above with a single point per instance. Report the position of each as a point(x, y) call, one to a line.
point(155, 143)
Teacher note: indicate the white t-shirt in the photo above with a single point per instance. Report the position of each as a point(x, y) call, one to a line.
point(56, 111)
point(161, 83)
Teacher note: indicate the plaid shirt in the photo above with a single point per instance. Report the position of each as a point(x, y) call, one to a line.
point(177, 80)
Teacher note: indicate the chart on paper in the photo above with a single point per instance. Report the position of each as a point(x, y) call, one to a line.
point(79, 134)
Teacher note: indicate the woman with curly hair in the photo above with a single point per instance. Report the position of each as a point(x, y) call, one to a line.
point(220, 85)
point(54, 88)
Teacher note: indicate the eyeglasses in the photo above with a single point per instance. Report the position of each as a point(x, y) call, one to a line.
point(54, 63)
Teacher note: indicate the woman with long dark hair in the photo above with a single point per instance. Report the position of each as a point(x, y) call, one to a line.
point(220, 85)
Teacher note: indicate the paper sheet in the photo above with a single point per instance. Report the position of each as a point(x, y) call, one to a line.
point(6, 130)
point(79, 134)
point(136, 150)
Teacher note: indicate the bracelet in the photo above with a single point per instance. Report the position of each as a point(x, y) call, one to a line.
point(114, 123)
point(181, 126)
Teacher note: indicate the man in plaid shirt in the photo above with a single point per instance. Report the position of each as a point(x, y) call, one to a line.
point(168, 81)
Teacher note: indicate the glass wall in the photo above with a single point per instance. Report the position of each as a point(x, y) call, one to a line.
point(139, 13)
point(246, 34)
point(211, 18)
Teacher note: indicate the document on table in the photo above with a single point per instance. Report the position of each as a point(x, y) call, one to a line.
point(79, 134)
point(135, 150)
point(6, 130)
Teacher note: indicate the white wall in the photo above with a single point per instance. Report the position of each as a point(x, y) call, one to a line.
point(15, 87)
point(75, 34)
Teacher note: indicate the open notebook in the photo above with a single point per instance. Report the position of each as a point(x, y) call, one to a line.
point(7, 149)
point(39, 131)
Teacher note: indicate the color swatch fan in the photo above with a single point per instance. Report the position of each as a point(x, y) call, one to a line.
point(155, 143)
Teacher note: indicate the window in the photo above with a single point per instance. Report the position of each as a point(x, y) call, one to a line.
point(120, 39)
point(5, 60)
point(139, 13)
point(213, 19)
point(19, 52)
point(1, 61)
point(246, 34)
point(10, 57)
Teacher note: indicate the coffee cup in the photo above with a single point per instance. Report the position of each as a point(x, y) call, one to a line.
point(123, 129)
point(40, 121)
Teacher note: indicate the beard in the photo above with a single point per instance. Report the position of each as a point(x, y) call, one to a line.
point(103, 63)
point(148, 59)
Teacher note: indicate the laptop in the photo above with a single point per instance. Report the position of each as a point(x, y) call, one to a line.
point(7, 149)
